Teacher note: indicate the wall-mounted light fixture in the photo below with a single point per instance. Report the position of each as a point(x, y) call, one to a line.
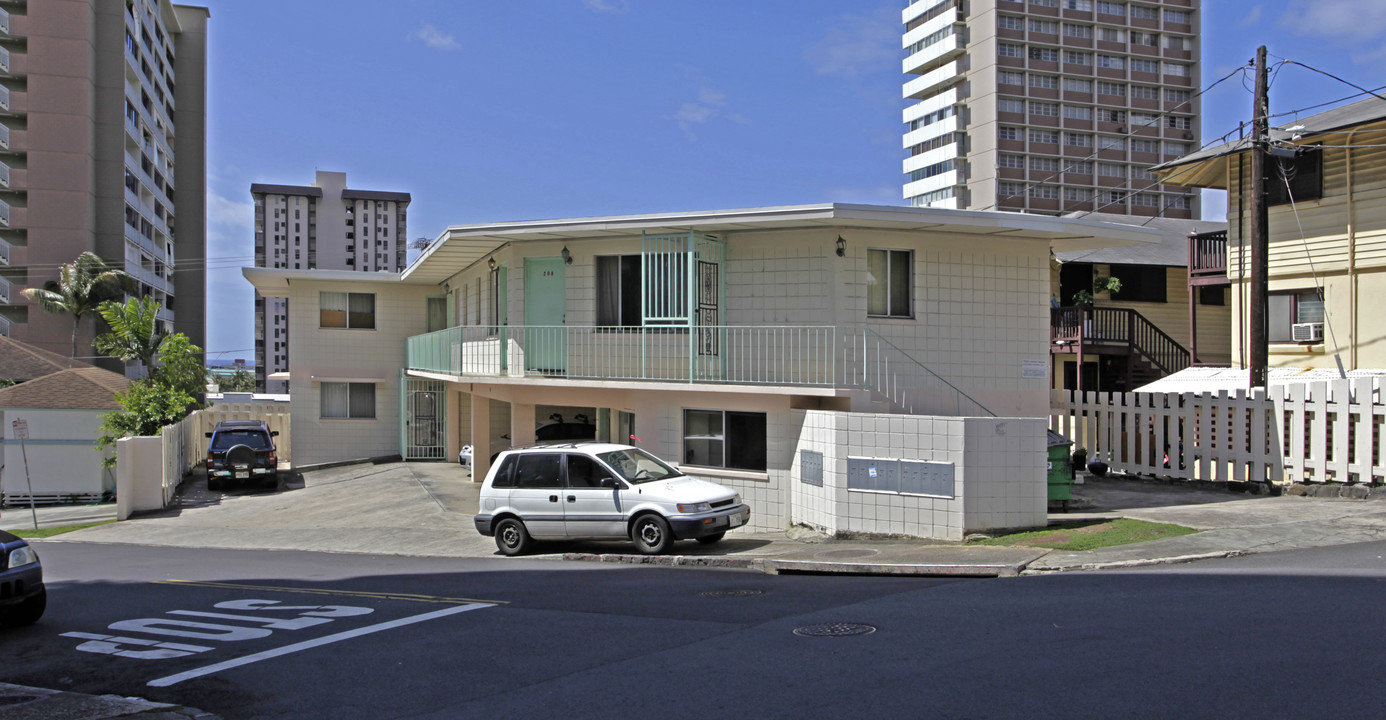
point(491, 263)
point(567, 256)
point(841, 247)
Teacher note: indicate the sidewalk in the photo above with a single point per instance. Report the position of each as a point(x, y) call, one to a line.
point(425, 509)
point(18, 702)
point(21, 518)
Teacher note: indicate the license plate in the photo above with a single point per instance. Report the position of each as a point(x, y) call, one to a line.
point(735, 520)
point(242, 475)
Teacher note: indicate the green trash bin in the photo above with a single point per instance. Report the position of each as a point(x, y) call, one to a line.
point(1060, 477)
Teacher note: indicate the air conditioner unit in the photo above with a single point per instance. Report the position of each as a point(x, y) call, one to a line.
point(1307, 332)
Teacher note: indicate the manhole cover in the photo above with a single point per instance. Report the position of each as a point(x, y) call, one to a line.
point(16, 699)
point(732, 593)
point(834, 630)
point(846, 553)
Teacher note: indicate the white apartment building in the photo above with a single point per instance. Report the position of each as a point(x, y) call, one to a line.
point(324, 225)
point(102, 149)
point(1050, 106)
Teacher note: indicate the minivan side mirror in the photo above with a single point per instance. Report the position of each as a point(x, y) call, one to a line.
point(611, 482)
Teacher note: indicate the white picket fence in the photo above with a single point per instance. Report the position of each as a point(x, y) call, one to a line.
point(1298, 432)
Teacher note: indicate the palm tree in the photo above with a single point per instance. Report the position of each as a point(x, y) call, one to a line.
point(135, 333)
point(82, 285)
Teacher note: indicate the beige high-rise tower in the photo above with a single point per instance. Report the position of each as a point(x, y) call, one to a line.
point(1050, 106)
point(102, 149)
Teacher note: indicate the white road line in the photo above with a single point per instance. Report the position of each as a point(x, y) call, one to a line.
point(309, 644)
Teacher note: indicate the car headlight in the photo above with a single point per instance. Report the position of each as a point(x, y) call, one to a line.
point(694, 507)
point(19, 557)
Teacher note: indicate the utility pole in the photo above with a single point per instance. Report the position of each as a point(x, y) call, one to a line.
point(1259, 230)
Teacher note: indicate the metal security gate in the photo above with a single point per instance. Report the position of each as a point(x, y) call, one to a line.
point(684, 289)
point(424, 419)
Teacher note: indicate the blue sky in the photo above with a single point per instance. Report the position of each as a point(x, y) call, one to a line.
point(488, 110)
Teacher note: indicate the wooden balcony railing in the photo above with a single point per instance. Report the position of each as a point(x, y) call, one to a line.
point(1124, 329)
point(1208, 258)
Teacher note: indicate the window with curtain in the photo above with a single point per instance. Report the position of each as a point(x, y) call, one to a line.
point(888, 274)
point(725, 439)
point(1284, 309)
point(618, 291)
point(437, 313)
point(340, 400)
point(355, 311)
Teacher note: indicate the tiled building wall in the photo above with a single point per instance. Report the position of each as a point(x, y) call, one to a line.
point(378, 353)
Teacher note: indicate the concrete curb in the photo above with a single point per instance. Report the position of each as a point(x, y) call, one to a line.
point(30, 703)
point(1141, 562)
point(772, 566)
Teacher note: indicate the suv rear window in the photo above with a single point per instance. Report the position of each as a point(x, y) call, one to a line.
point(227, 439)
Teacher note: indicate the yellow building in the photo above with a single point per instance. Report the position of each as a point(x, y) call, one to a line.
point(1326, 187)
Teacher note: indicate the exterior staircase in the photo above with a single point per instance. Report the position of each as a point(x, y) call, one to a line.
point(1151, 353)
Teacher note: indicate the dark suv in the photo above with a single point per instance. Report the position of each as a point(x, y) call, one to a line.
point(242, 451)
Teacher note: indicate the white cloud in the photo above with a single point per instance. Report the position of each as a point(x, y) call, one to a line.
point(709, 105)
point(436, 39)
point(607, 6)
point(858, 44)
point(1352, 21)
point(224, 211)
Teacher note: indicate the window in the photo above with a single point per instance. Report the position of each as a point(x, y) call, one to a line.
point(1108, 88)
point(1084, 5)
point(1112, 62)
point(1044, 109)
point(1045, 82)
point(1141, 283)
point(1145, 38)
point(1010, 22)
point(537, 471)
point(1008, 133)
point(1141, 12)
point(1010, 106)
point(1073, 57)
point(1304, 174)
point(1046, 54)
point(725, 439)
point(1178, 96)
point(1177, 149)
point(1077, 113)
point(1048, 27)
point(1046, 164)
point(1146, 200)
point(355, 311)
point(1145, 92)
point(1044, 192)
point(1111, 116)
point(1006, 77)
point(1179, 123)
point(342, 400)
point(1112, 8)
point(1180, 202)
point(1009, 50)
point(1177, 43)
point(1287, 308)
point(928, 172)
point(1011, 161)
point(1044, 136)
point(1006, 190)
point(1110, 143)
point(1111, 35)
point(888, 278)
point(1144, 119)
point(1073, 194)
point(1212, 295)
point(1176, 69)
point(1138, 172)
point(618, 291)
point(1078, 140)
point(1079, 167)
point(584, 472)
point(1145, 146)
point(1114, 197)
point(1112, 170)
point(1045, 3)
point(1180, 17)
point(1077, 31)
point(1078, 86)
point(1145, 66)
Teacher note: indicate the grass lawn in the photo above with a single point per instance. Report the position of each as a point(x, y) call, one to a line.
point(1090, 535)
point(51, 531)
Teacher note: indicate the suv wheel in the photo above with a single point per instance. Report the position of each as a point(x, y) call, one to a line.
point(511, 537)
point(651, 534)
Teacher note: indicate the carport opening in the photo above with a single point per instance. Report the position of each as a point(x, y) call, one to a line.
point(564, 422)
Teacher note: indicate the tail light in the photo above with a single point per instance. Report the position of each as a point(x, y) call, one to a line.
point(209, 459)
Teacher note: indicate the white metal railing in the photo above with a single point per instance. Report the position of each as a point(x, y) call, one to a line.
point(4, 136)
point(4, 289)
point(4, 175)
point(4, 98)
point(4, 251)
point(4, 326)
point(1298, 432)
point(4, 60)
point(4, 21)
point(4, 213)
point(771, 355)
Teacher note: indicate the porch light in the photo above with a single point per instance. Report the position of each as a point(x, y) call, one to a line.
point(841, 247)
point(491, 263)
point(567, 256)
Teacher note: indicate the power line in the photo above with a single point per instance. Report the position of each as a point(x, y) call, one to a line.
point(1325, 73)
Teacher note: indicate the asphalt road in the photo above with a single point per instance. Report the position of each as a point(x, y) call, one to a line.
point(312, 635)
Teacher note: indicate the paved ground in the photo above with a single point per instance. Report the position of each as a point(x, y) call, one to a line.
point(425, 509)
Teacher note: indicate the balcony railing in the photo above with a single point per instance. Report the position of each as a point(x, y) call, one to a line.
point(4, 289)
point(4, 98)
point(4, 136)
point(4, 213)
point(1208, 258)
point(4, 251)
point(796, 356)
point(4, 326)
point(4, 22)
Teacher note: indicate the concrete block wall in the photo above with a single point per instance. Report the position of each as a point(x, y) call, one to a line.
point(1006, 473)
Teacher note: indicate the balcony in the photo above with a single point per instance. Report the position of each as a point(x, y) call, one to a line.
point(814, 360)
point(4, 213)
point(4, 98)
point(4, 252)
point(4, 326)
point(1208, 258)
point(4, 60)
point(4, 290)
point(933, 81)
point(4, 137)
point(4, 22)
point(4, 176)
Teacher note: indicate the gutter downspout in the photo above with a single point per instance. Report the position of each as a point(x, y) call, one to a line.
point(1352, 257)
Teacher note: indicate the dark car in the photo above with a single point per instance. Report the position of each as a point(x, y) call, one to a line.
point(242, 451)
point(22, 595)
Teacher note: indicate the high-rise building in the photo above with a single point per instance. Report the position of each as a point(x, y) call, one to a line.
point(1050, 106)
point(325, 225)
point(102, 149)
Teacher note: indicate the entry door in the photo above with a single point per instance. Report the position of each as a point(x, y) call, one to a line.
point(425, 419)
point(546, 297)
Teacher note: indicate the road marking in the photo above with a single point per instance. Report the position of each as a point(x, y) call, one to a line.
point(309, 644)
point(348, 593)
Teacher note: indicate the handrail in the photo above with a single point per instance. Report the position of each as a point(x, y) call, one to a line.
point(888, 379)
point(1208, 253)
point(1118, 326)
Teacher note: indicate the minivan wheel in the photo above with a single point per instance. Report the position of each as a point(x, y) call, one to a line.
point(512, 538)
point(710, 539)
point(651, 534)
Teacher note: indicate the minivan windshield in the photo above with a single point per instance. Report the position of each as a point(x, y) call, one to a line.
point(636, 466)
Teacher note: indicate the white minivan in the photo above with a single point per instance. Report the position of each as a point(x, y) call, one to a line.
point(600, 491)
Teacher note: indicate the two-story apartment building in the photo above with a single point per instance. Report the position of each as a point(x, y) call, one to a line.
point(1326, 188)
point(729, 342)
